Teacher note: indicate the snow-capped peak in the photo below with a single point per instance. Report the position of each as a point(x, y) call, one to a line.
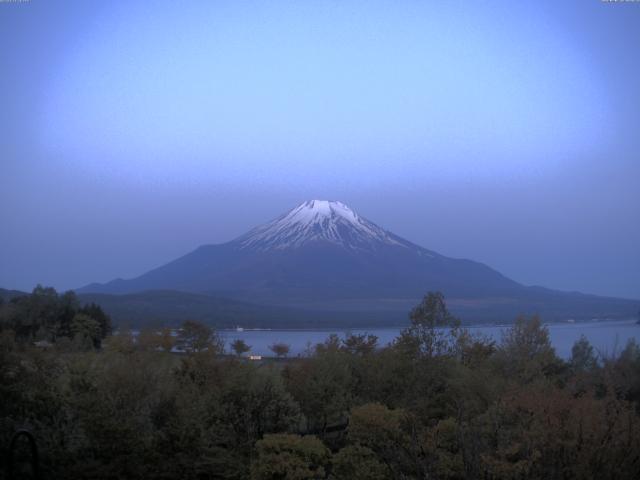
point(314, 210)
point(317, 221)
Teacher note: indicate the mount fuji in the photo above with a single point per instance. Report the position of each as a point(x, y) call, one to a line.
point(323, 256)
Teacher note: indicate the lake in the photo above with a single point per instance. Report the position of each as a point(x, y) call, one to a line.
point(606, 337)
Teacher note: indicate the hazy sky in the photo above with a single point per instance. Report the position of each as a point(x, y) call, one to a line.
point(507, 132)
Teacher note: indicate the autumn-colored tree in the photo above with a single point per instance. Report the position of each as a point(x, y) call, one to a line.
point(167, 339)
point(123, 341)
point(542, 431)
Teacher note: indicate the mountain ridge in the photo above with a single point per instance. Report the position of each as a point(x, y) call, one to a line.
point(323, 253)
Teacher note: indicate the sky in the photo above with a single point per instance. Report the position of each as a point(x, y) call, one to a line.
point(506, 132)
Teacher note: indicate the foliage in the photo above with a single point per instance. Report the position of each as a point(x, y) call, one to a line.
point(194, 336)
point(48, 317)
point(526, 353)
point(355, 462)
point(362, 344)
point(289, 457)
point(583, 358)
point(433, 329)
point(439, 403)
point(85, 331)
point(280, 349)
point(240, 346)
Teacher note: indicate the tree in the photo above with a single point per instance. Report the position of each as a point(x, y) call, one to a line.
point(240, 346)
point(355, 462)
point(542, 431)
point(47, 315)
point(67, 306)
point(380, 429)
point(624, 371)
point(290, 457)
point(148, 340)
point(432, 312)
point(583, 358)
point(526, 352)
point(256, 403)
point(433, 329)
point(85, 331)
point(363, 344)
point(96, 312)
point(167, 339)
point(122, 341)
point(474, 349)
point(40, 311)
point(485, 412)
point(442, 444)
point(322, 385)
point(330, 344)
point(196, 337)
point(280, 349)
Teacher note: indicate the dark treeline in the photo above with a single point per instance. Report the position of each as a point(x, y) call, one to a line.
point(48, 317)
point(435, 404)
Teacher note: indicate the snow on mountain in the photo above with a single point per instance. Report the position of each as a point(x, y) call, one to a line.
point(318, 221)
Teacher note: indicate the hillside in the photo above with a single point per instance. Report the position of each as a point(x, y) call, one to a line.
point(167, 307)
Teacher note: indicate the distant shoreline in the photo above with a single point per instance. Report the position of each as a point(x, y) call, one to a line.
point(395, 327)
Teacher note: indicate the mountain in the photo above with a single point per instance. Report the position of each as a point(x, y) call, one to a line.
point(318, 251)
point(323, 256)
point(6, 295)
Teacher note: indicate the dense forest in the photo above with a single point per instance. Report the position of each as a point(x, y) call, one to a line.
point(437, 403)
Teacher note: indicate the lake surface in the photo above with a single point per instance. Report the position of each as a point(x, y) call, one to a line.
point(606, 337)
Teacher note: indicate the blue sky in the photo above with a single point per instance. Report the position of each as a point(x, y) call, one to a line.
point(506, 132)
